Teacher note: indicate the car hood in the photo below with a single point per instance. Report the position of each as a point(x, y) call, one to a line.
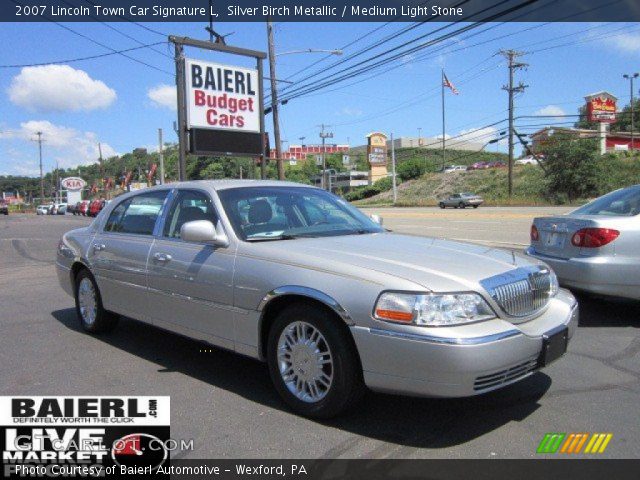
point(431, 263)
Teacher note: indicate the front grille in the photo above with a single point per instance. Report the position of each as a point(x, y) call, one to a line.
point(507, 375)
point(522, 291)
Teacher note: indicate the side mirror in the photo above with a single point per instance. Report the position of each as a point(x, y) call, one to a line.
point(377, 219)
point(202, 231)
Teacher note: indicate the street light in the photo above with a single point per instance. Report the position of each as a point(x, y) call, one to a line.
point(274, 90)
point(630, 77)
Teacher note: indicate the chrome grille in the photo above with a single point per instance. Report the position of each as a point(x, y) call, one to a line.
point(507, 375)
point(522, 291)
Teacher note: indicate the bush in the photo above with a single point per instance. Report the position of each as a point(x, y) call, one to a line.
point(359, 193)
point(410, 169)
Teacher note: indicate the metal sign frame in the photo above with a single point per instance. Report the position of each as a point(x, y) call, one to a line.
point(179, 44)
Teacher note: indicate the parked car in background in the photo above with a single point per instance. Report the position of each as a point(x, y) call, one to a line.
point(478, 166)
point(4, 207)
point(299, 278)
point(83, 208)
point(61, 209)
point(496, 165)
point(455, 168)
point(595, 248)
point(526, 161)
point(43, 209)
point(95, 207)
point(461, 200)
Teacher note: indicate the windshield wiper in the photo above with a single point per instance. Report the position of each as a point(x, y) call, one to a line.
point(275, 237)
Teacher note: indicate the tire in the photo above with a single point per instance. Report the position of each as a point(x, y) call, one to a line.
point(92, 315)
point(476, 206)
point(461, 205)
point(441, 205)
point(342, 366)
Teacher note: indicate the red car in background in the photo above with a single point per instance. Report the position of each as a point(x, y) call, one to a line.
point(478, 166)
point(95, 207)
point(83, 208)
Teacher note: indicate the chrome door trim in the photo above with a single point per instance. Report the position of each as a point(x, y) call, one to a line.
point(199, 300)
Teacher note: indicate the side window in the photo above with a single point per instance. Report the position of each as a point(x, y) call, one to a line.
point(188, 206)
point(137, 214)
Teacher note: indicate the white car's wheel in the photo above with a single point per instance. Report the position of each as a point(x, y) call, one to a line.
point(313, 363)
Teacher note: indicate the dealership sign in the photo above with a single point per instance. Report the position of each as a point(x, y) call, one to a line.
point(601, 107)
point(73, 184)
point(223, 108)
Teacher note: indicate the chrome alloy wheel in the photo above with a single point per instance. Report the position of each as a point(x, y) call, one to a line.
point(305, 362)
point(87, 301)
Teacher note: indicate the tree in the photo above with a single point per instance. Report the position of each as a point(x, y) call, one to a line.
point(572, 167)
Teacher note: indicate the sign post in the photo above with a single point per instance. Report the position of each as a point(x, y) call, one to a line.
point(377, 156)
point(220, 107)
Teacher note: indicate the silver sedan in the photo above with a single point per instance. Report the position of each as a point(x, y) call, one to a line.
point(297, 277)
point(595, 248)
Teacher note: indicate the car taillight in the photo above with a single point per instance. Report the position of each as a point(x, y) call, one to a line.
point(594, 237)
point(535, 235)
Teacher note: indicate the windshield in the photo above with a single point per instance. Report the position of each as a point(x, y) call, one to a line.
point(278, 213)
point(621, 203)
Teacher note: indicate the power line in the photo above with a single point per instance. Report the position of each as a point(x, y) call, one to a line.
point(88, 38)
point(80, 59)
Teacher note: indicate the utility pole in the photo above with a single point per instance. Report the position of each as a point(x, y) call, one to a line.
point(630, 77)
point(511, 56)
point(101, 168)
point(182, 121)
point(393, 170)
point(301, 141)
point(39, 134)
point(324, 135)
point(161, 154)
point(274, 100)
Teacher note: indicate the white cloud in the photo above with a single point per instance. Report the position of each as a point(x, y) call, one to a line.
point(350, 112)
point(477, 135)
point(163, 95)
point(58, 88)
point(625, 42)
point(550, 110)
point(68, 146)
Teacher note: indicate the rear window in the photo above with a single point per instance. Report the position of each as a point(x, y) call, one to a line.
point(137, 214)
point(621, 203)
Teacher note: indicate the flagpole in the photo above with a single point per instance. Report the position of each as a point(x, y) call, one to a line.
point(443, 123)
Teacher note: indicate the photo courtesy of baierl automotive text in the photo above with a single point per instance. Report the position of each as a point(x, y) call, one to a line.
point(351, 239)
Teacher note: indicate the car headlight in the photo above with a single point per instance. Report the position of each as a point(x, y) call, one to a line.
point(437, 309)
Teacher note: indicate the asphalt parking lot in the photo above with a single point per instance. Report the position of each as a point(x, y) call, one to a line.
point(226, 404)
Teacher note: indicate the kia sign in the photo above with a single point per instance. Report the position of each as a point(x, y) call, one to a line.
point(222, 97)
point(601, 107)
point(73, 184)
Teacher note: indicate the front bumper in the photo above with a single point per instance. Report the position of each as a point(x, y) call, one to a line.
point(611, 276)
point(431, 365)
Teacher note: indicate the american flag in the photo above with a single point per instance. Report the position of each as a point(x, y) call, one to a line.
point(448, 84)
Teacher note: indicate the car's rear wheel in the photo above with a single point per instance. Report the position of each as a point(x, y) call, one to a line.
point(441, 205)
point(93, 317)
point(313, 363)
point(476, 206)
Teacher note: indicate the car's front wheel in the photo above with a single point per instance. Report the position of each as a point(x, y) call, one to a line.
point(93, 317)
point(313, 363)
point(461, 205)
point(441, 205)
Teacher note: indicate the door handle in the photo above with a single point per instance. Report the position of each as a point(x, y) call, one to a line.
point(97, 247)
point(162, 257)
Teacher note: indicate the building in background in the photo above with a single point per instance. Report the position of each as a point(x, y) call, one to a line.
point(343, 181)
point(615, 141)
point(300, 152)
point(434, 143)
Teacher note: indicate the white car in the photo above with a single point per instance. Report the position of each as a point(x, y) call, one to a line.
point(455, 168)
point(43, 209)
point(526, 161)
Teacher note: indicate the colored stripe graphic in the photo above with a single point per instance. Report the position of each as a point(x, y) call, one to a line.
point(573, 443)
point(551, 442)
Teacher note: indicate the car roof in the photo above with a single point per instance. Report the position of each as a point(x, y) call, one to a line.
point(230, 183)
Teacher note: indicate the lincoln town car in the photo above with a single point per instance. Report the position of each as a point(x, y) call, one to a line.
point(333, 302)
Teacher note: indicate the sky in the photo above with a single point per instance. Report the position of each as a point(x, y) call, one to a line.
point(120, 103)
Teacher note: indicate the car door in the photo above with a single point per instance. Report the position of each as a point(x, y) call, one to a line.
point(191, 284)
point(119, 253)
